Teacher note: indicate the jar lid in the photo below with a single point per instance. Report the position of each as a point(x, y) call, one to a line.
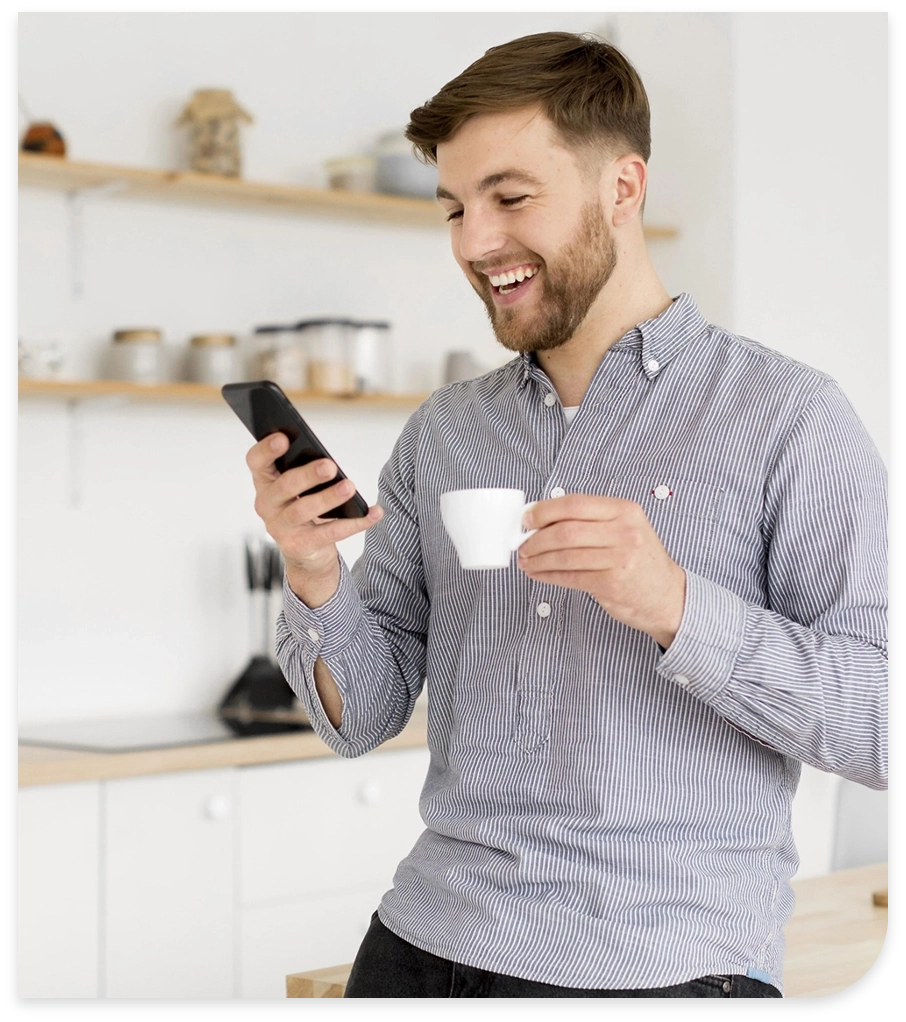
point(137, 335)
point(304, 324)
point(212, 340)
point(275, 329)
point(373, 324)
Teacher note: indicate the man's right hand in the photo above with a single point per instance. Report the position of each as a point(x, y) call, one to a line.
point(306, 539)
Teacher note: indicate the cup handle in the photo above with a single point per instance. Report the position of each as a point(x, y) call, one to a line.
point(521, 537)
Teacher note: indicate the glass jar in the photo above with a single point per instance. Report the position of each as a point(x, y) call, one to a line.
point(371, 357)
point(399, 172)
point(329, 346)
point(212, 359)
point(137, 356)
point(279, 356)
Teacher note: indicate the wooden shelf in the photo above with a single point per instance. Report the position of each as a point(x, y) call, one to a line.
point(208, 189)
point(75, 390)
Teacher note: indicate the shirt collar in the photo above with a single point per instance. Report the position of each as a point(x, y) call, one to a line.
point(657, 340)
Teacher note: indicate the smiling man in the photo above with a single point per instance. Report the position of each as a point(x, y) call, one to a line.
point(617, 721)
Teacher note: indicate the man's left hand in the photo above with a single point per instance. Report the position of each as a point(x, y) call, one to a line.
point(607, 547)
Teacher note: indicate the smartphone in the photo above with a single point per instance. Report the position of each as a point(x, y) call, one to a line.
point(264, 409)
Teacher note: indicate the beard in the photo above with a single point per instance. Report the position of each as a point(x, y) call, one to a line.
point(568, 288)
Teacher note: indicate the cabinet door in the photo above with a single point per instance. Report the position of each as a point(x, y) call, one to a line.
point(57, 895)
point(298, 935)
point(169, 886)
point(319, 844)
point(327, 824)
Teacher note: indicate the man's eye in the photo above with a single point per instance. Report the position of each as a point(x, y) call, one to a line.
point(456, 214)
point(513, 201)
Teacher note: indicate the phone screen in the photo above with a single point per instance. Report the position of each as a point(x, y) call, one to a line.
point(264, 409)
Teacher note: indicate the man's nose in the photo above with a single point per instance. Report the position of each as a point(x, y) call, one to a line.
point(480, 236)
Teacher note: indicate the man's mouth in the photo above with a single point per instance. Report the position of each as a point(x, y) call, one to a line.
point(507, 281)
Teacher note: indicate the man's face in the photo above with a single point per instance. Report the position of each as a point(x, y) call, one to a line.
point(527, 227)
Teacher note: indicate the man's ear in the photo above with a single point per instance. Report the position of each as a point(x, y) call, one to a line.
point(630, 180)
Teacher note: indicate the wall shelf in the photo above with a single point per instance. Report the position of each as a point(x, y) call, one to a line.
point(79, 390)
point(62, 174)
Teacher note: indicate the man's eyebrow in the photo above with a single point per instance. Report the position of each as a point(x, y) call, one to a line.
point(492, 180)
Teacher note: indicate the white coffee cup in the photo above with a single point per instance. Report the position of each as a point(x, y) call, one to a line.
point(485, 525)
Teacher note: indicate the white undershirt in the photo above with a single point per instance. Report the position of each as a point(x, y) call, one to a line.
point(570, 413)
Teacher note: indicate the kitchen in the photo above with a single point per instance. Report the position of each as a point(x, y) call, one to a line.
point(133, 513)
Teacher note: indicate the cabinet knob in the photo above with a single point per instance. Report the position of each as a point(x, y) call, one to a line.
point(368, 793)
point(218, 807)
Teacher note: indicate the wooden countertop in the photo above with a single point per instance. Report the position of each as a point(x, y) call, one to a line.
point(836, 932)
point(40, 764)
point(833, 939)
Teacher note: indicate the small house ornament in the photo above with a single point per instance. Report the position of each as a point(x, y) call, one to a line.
point(213, 116)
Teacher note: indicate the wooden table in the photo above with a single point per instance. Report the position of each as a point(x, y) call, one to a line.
point(833, 939)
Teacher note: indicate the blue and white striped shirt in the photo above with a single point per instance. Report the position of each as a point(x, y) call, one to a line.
point(600, 813)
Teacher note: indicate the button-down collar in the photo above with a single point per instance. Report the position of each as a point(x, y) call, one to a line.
point(658, 340)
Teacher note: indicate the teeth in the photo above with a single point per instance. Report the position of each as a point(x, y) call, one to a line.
point(520, 274)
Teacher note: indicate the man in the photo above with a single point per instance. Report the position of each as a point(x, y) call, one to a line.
point(617, 722)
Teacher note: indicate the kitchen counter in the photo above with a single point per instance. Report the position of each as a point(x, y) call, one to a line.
point(39, 764)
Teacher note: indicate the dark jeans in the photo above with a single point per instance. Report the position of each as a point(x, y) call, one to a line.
point(387, 966)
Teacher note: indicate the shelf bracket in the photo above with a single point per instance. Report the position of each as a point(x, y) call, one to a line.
point(74, 197)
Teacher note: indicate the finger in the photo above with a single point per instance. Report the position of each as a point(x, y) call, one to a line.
point(300, 543)
point(589, 560)
point(303, 478)
point(260, 458)
point(309, 507)
point(574, 505)
point(569, 534)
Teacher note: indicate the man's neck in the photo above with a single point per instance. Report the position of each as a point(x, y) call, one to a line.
point(632, 296)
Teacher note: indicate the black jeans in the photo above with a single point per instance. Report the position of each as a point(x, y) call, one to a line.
point(387, 966)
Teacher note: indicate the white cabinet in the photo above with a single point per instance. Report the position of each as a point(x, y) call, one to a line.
point(169, 886)
point(319, 842)
point(208, 884)
point(58, 829)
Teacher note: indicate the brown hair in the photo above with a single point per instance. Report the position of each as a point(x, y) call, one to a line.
point(586, 87)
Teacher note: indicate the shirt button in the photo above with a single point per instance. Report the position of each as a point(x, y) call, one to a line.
point(558, 491)
point(313, 634)
point(652, 365)
point(549, 400)
point(681, 679)
point(543, 610)
point(661, 492)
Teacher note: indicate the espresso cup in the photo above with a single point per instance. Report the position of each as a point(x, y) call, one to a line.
point(485, 525)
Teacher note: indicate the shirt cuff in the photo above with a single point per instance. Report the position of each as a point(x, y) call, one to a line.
point(330, 629)
point(701, 657)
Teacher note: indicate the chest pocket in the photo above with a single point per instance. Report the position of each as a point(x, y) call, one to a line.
point(684, 513)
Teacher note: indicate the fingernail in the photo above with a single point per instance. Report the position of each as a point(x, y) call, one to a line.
point(276, 443)
point(326, 470)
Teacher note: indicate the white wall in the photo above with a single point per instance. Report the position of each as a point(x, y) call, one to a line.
point(131, 517)
point(810, 274)
point(810, 213)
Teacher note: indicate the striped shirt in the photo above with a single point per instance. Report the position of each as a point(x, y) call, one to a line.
point(601, 813)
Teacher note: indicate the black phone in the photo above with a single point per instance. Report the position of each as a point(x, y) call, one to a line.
point(265, 409)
